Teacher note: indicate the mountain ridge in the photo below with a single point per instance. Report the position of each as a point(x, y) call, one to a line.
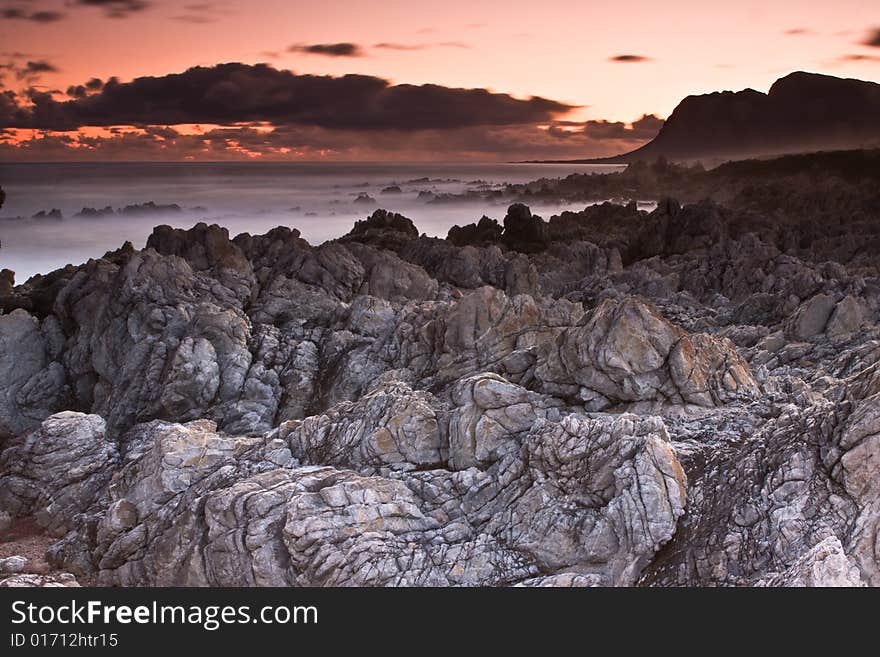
point(801, 112)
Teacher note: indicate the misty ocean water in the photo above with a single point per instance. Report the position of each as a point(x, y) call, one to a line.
point(319, 199)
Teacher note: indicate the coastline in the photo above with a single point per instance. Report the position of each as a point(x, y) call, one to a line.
point(587, 400)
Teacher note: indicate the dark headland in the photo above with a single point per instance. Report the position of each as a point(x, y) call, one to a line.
point(802, 112)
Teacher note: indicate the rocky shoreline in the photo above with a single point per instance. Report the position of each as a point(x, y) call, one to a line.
point(612, 397)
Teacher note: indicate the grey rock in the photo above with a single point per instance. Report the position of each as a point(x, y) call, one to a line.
point(824, 565)
point(611, 397)
point(806, 476)
point(33, 383)
point(812, 317)
point(563, 580)
point(379, 493)
point(59, 580)
point(848, 316)
point(58, 470)
point(627, 352)
point(12, 565)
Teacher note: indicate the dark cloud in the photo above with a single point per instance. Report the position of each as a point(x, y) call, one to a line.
point(82, 90)
point(46, 16)
point(194, 18)
point(629, 59)
point(112, 9)
point(36, 95)
point(480, 143)
point(8, 102)
point(873, 38)
point(116, 8)
point(419, 46)
point(237, 93)
point(14, 13)
point(199, 13)
point(798, 31)
point(76, 91)
point(643, 129)
point(328, 49)
point(33, 69)
point(649, 124)
point(400, 46)
point(859, 57)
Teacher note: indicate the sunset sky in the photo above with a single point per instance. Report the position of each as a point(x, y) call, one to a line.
point(596, 68)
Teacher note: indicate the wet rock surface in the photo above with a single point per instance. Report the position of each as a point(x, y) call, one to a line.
point(615, 398)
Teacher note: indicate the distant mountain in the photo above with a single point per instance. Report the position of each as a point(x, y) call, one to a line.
point(802, 112)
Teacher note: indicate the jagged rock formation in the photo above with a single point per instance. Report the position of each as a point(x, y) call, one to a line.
point(625, 351)
point(398, 489)
point(615, 398)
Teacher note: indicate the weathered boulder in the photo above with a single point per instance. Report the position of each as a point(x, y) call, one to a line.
point(812, 317)
point(58, 470)
point(488, 412)
point(392, 426)
point(761, 504)
point(605, 492)
point(33, 383)
point(7, 282)
point(524, 231)
point(485, 231)
point(382, 228)
point(625, 351)
point(28, 580)
point(12, 565)
point(207, 248)
point(824, 565)
point(848, 317)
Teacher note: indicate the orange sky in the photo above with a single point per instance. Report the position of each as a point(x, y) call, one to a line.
point(555, 49)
